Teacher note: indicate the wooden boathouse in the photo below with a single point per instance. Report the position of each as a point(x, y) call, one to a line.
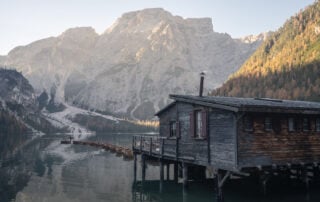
point(235, 137)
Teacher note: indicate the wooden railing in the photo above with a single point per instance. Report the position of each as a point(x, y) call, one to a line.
point(156, 145)
point(151, 144)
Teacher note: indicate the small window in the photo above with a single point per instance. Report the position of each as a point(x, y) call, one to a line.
point(268, 124)
point(173, 129)
point(306, 124)
point(291, 124)
point(248, 123)
point(198, 124)
point(318, 124)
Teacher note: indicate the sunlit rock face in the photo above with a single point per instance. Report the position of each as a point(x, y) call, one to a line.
point(132, 67)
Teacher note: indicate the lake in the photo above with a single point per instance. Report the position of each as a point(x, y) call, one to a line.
point(47, 171)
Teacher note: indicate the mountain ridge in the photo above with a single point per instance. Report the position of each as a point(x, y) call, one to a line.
point(286, 65)
point(121, 70)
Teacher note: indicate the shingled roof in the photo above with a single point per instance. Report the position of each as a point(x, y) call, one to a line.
point(249, 104)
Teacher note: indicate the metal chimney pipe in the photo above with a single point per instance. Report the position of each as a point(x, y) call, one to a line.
point(202, 74)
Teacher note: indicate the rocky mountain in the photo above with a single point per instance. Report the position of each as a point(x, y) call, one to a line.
point(132, 67)
point(286, 65)
point(20, 107)
point(255, 38)
point(15, 91)
point(14, 88)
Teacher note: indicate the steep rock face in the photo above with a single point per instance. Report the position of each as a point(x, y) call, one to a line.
point(47, 63)
point(132, 67)
point(14, 88)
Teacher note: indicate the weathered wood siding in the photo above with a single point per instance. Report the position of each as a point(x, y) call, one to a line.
point(218, 149)
point(165, 119)
point(261, 147)
point(189, 147)
point(222, 130)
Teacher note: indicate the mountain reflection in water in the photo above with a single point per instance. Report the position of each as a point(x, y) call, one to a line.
point(45, 170)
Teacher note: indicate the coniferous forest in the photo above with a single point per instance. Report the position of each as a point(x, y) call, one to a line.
point(286, 65)
point(12, 133)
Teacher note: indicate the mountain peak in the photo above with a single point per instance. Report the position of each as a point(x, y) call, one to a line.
point(148, 12)
point(140, 21)
point(79, 29)
point(254, 38)
point(77, 32)
point(121, 70)
point(147, 20)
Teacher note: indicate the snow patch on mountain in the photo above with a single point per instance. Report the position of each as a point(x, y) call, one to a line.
point(130, 69)
point(255, 38)
point(63, 119)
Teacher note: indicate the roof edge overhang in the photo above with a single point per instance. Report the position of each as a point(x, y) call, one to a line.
point(165, 108)
point(279, 110)
point(241, 108)
point(204, 103)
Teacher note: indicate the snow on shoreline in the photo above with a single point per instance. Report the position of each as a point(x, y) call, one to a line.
point(62, 119)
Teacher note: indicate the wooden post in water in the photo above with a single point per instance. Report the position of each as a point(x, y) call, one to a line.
point(219, 184)
point(185, 174)
point(184, 194)
point(135, 167)
point(143, 167)
point(161, 175)
point(176, 172)
point(263, 178)
point(305, 177)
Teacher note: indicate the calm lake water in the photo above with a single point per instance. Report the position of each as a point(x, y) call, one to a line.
point(47, 171)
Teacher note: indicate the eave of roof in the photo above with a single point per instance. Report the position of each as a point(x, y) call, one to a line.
point(165, 108)
point(204, 103)
point(252, 104)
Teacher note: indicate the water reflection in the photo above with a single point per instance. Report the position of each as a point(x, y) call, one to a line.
point(48, 171)
point(149, 191)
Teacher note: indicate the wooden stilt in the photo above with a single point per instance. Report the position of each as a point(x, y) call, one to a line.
point(161, 170)
point(135, 167)
point(143, 167)
point(161, 175)
point(219, 192)
point(263, 178)
point(316, 172)
point(184, 194)
point(168, 171)
point(185, 174)
point(264, 187)
point(305, 177)
point(221, 177)
point(176, 172)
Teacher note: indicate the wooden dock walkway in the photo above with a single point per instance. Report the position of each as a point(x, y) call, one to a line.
point(120, 150)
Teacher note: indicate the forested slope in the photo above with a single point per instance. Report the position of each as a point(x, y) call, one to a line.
point(286, 65)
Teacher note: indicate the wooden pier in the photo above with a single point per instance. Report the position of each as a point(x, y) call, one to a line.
point(120, 150)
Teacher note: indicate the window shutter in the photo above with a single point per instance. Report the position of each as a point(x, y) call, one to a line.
point(170, 129)
point(192, 124)
point(204, 124)
point(178, 128)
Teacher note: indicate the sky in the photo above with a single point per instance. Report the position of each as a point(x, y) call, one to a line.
point(22, 21)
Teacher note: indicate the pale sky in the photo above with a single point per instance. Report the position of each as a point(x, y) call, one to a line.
point(25, 21)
